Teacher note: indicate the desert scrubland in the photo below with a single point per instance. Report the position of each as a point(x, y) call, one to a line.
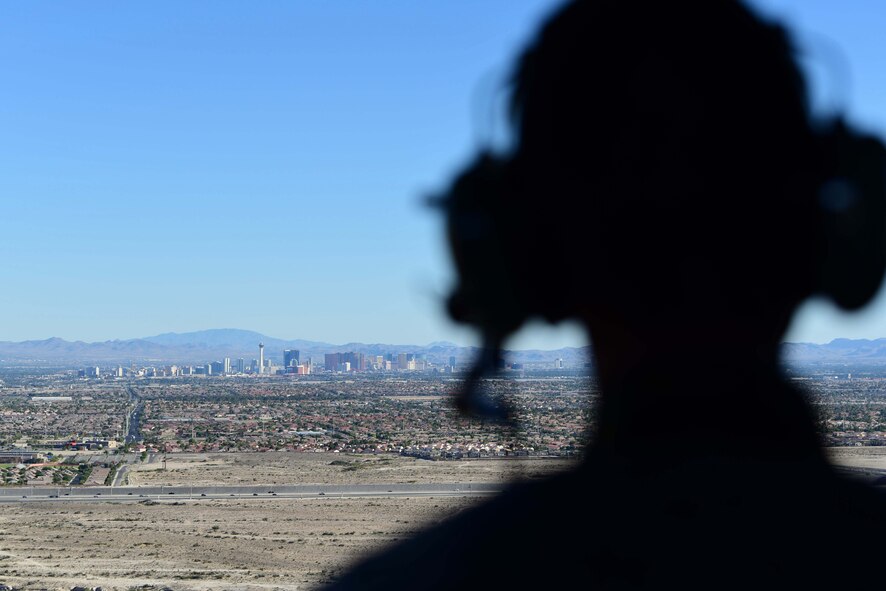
point(201, 545)
point(242, 545)
point(871, 457)
point(216, 469)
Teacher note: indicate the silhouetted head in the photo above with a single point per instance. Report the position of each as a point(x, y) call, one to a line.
point(667, 180)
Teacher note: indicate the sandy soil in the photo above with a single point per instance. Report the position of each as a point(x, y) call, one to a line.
point(247, 545)
point(251, 545)
point(208, 545)
point(858, 457)
point(332, 468)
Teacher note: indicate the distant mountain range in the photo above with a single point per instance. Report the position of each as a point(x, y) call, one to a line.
point(215, 344)
point(836, 351)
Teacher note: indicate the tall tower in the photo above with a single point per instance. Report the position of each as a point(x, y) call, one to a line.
point(261, 358)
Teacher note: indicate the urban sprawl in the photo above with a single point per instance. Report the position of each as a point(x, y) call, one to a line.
point(53, 421)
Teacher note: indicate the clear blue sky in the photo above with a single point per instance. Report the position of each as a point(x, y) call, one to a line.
point(175, 166)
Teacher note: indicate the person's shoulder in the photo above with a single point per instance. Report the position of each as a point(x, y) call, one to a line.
point(611, 526)
point(480, 546)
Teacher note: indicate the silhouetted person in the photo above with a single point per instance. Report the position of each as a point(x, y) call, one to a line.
point(670, 190)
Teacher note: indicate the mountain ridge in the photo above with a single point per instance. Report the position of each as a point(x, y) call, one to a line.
point(203, 346)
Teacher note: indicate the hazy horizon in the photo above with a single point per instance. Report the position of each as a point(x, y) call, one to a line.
point(516, 344)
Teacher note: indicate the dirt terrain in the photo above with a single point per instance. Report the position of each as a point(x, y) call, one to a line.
point(242, 545)
point(247, 545)
point(858, 457)
point(330, 468)
point(208, 545)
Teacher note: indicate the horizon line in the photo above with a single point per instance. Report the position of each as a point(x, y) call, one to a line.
point(375, 342)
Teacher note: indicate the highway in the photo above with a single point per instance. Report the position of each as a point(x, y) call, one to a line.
point(21, 494)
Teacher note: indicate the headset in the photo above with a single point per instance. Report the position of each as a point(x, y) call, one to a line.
point(850, 182)
point(835, 175)
point(485, 297)
point(852, 202)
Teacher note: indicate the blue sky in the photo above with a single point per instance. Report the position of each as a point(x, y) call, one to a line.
point(842, 50)
point(175, 166)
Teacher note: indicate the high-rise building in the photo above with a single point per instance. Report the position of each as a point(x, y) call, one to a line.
point(290, 358)
point(241, 366)
point(356, 360)
point(261, 358)
point(227, 365)
point(332, 361)
point(406, 361)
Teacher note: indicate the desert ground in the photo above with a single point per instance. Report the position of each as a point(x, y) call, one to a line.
point(211, 545)
point(872, 457)
point(247, 545)
point(242, 545)
point(330, 468)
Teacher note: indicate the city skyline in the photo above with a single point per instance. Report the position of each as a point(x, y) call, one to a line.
point(164, 171)
point(241, 351)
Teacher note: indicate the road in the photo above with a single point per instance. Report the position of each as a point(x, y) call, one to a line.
point(19, 494)
point(177, 493)
point(120, 475)
point(133, 418)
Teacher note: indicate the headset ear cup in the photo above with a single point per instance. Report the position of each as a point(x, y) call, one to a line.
point(486, 294)
point(853, 205)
